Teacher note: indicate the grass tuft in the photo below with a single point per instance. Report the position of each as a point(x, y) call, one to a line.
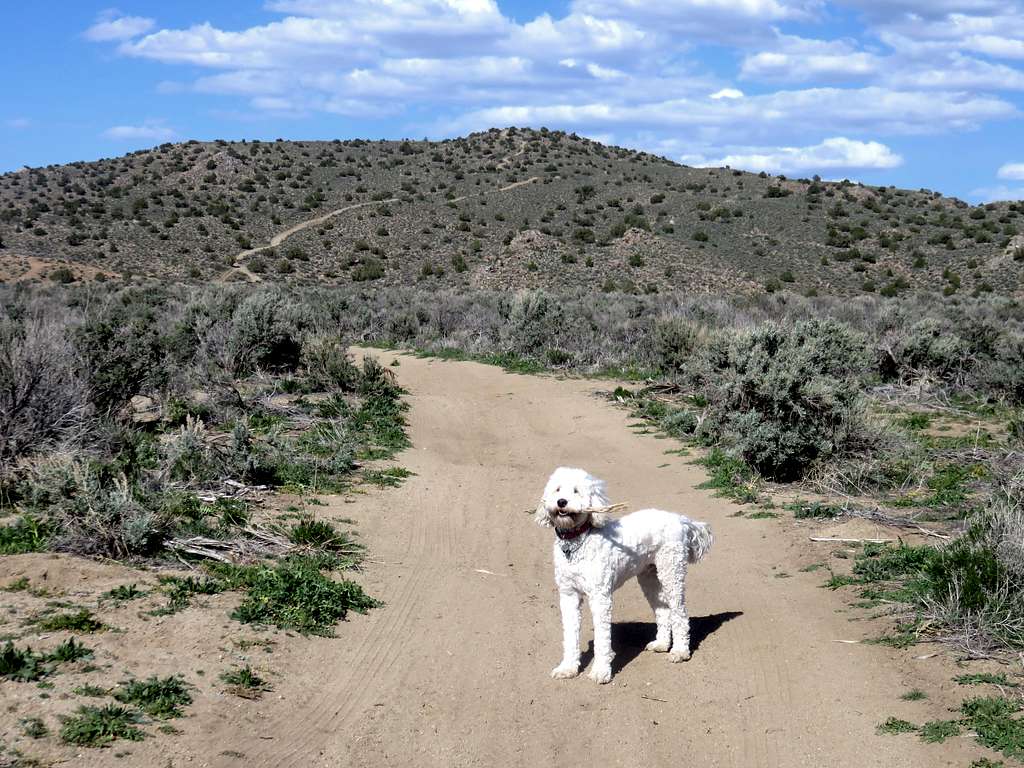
point(730, 477)
point(894, 725)
point(985, 678)
point(914, 694)
point(245, 683)
point(80, 621)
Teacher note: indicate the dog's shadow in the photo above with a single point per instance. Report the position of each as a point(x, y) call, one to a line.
point(630, 638)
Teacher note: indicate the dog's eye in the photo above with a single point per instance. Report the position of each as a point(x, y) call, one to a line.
point(576, 491)
point(558, 489)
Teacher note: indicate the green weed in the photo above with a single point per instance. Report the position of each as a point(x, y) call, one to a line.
point(914, 694)
point(98, 726)
point(730, 477)
point(157, 697)
point(18, 585)
point(80, 621)
point(34, 727)
point(993, 721)
point(391, 477)
point(985, 678)
point(70, 650)
point(894, 725)
point(245, 683)
point(937, 731)
point(295, 594)
point(124, 593)
point(26, 534)
point(21, 664)
point(815, 510)
point(90, 690)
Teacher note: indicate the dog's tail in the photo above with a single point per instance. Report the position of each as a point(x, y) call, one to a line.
point(699, 540)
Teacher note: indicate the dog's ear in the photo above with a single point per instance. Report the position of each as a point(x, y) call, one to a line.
point(541, 517)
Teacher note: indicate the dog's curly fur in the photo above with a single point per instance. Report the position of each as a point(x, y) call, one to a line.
point(652, 545)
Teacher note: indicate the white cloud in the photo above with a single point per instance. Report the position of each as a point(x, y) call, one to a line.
point(1013, 171)
point(837, 152)
point(814, 109)
point(994, 194)
point(727, 93)
point(955, 71)
point(111, 25)
point(151, 130)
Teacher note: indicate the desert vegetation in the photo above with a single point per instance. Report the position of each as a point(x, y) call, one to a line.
point(504, 208)
point(122, 403)
point(161, 430)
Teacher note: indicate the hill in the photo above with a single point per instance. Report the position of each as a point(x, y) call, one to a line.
point(503, 208)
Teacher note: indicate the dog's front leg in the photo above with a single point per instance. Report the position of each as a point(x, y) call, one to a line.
point(569, 602)
point(601, 609)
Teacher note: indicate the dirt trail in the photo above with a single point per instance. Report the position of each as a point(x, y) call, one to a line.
point(454, 670)
point(240, 267)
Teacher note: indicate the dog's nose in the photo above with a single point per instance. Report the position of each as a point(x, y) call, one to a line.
point(561, 503)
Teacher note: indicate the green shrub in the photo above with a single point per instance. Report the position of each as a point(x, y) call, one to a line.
point(784, 397)
point(674, 340)
point(25, 534)
point(369, 269)
point(327, 363)
point(264, 334)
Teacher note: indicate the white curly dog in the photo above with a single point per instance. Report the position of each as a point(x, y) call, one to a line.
point(595, 554)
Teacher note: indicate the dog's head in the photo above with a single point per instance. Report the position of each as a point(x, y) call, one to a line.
point(568, 497)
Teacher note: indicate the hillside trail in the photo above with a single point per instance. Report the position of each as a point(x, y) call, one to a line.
point(454, 669)
point(240, 266)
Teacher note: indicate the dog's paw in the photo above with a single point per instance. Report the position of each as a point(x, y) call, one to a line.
point(565, 671)
point(601, 674)
point(658, 646)
point(677, 655)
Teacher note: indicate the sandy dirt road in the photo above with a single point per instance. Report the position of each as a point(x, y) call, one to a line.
point(454, 670)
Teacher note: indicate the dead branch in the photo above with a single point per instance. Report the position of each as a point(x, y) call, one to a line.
point(849, 541)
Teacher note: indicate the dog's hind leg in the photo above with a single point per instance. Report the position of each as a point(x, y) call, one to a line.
point(570, 603)
point(651, 586)
point(671, 562)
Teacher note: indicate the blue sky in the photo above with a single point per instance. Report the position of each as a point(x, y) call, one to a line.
point(916, 93)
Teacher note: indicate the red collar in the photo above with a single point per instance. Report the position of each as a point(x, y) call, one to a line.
point(573, 533)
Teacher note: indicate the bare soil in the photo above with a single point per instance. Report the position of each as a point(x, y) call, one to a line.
point(454, 669)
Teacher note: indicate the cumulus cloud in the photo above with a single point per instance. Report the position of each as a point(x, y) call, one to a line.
point(151, 130)
point(1014, 171)
point(831, 154)
point(955, 71)
point(615, 68)
point(112, 26)
point(903, 112)
point(796, 59)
